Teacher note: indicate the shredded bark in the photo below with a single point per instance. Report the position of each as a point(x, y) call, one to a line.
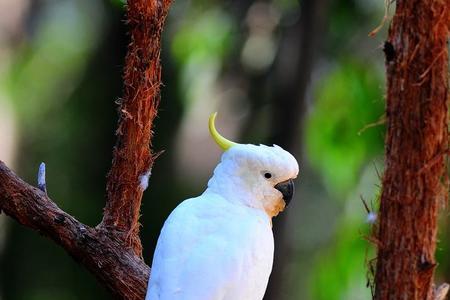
point(112, 251)
point(415, 178)
point(132, 156)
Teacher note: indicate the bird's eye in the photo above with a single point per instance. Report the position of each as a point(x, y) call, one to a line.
point(267, 175)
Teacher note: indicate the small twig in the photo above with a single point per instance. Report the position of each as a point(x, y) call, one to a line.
point(377, 171)
point(387, 4)
point(381, 121)
point(371, 216)
point(365, 204)
point(41, 178)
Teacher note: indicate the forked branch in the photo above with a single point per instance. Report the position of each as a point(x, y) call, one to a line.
point(112, 251)
point(122, 272)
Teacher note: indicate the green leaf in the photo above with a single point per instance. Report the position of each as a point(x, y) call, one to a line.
point(348, 99)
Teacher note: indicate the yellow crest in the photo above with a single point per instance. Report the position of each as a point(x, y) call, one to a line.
point(223, 143)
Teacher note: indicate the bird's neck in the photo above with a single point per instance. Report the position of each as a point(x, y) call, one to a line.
point(235, 190)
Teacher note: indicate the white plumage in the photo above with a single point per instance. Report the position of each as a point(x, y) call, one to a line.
point(219, 246)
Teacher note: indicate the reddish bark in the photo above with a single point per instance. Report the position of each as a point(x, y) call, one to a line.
point(132, 155)
point(117, 267)
point(112, 251)
point(415, 180)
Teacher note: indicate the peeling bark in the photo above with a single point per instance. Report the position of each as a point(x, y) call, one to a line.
point(415, 180)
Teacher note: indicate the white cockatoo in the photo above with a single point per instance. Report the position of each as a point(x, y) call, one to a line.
point(219, 246)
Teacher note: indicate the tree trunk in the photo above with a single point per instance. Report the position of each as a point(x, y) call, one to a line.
point(415, 180)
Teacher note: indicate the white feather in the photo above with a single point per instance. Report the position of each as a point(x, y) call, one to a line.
point(144, 178)
point(219, 246)
point(211, 249)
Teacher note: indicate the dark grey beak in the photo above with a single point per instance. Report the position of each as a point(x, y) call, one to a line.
point(287, 189)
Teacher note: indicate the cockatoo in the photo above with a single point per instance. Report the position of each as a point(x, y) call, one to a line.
point(219, 246)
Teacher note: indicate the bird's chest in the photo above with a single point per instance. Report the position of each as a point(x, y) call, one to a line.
point(254, 257)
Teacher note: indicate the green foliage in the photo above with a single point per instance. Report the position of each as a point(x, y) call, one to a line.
point(119, 3)
point(202, 40)
point(347, 100)
point(340, 271)
point(48, 65)
point(341, 268)
point(203, 36)
point(287, 5)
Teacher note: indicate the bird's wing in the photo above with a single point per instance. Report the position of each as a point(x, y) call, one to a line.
point(199, 251)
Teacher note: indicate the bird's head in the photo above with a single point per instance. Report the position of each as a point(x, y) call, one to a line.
point(259, 176)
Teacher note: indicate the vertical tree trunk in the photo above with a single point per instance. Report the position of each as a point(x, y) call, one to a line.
point(415, 181)
point(132, 156)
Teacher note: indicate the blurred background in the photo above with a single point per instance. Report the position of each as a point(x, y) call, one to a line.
point(301, 74)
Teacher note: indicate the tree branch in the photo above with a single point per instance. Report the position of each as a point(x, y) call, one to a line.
point(132, 156)
point(122, 272)
point(112, 251)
